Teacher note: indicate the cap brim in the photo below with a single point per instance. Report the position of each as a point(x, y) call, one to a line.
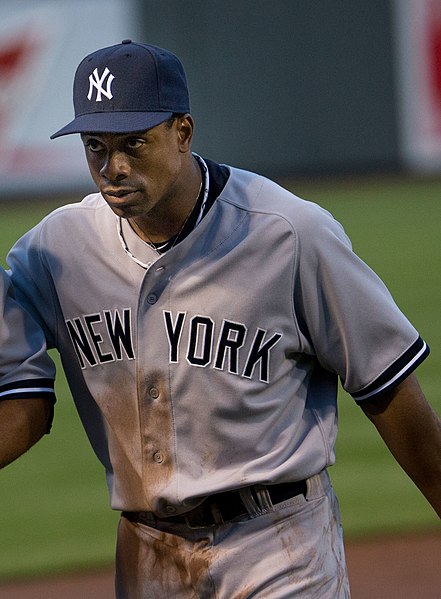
point(113, 122)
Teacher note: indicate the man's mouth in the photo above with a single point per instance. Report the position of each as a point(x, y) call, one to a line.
point(117, 192)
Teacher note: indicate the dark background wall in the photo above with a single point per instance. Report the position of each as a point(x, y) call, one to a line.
point(286, 87)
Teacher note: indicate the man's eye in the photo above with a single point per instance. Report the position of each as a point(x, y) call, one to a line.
point(93, 145)
point(134, 143)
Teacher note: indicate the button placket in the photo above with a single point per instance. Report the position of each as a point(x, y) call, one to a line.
point(157, 431)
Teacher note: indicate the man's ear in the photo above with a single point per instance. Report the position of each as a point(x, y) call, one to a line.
point(185, 128)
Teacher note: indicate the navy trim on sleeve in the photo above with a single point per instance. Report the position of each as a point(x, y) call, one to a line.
point(28, 388)
point(396, 373)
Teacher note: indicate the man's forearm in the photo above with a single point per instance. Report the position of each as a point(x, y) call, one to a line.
point(412, 431)
point(22, 423)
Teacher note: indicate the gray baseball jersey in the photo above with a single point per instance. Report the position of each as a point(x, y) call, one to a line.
point(26, 370)
point(214, 365)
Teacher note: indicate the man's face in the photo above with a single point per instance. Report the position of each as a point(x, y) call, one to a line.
point(140, 174)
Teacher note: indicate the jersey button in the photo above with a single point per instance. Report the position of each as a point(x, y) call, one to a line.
point(151, 299)
point(158, 457)
point(154, 393)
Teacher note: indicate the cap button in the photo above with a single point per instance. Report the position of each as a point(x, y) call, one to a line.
point(126, 42)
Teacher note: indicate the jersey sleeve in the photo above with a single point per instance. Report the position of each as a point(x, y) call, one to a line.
point(33, 287)
point(26, 370)
point(346, 316)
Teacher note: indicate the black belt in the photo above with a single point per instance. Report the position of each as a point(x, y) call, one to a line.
point(221, 507)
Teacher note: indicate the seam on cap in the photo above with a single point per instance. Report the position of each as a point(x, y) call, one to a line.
point(159, 92)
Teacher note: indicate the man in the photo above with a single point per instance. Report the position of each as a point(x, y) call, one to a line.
point(204, 315)
point(26, 378)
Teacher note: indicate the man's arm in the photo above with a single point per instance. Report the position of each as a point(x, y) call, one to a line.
point(22, 423)
point(412, 431)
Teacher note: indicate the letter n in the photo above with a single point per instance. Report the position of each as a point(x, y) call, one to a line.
point(80, 342)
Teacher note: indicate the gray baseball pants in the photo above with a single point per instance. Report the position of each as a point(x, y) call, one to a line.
point(293, 550)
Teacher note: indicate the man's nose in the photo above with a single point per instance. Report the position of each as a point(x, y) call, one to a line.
point(115, 167)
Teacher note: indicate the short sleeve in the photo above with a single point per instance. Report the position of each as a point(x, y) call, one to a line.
point(26, 370)
point(346, 314)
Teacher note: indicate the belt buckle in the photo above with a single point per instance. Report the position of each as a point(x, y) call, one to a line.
point(204, 515)
point(216, 513)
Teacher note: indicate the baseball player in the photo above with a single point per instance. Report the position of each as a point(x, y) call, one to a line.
point(26, 378)
point(204, 316)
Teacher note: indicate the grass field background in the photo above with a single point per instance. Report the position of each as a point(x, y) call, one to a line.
point(55, 512)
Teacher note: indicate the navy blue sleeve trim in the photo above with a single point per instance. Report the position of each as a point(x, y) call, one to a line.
point(28, 388)
point(396, 373)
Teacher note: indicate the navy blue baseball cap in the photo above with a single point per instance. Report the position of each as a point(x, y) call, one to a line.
point(126, 88)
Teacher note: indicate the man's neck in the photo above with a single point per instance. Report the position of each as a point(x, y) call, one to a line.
point(160, 227)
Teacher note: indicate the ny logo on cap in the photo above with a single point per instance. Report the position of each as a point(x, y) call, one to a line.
point(95, 81)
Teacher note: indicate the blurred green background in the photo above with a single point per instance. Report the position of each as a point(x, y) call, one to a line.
point(55, 513)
